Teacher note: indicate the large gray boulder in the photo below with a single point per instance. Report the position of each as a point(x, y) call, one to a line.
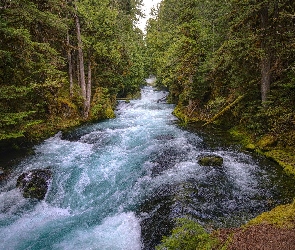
point(34, 184)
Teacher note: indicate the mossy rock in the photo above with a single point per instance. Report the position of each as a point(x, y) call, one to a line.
point(34, 184)
point(210, 160)
point(190, 235)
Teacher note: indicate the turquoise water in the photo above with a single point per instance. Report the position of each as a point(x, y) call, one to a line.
point(119, 184)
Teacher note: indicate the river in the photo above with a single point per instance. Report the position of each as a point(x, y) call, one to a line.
point(118, 184)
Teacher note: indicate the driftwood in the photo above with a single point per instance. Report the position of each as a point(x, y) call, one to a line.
point(224, 110)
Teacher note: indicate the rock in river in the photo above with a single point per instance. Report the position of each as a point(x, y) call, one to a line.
point(34, 184)
point(210, 160)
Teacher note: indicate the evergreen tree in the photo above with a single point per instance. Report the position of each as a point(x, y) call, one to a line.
point(62, 60)
point(30, 65)
point(227, 60)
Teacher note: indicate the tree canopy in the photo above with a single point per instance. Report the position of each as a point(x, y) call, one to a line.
point(65, 60)
point(230, 62)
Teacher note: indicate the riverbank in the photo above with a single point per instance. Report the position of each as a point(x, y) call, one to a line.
point(274, 229)
point(271, 230)
point(277, 147)
point(12, 150)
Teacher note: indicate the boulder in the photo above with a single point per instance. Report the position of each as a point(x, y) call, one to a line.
point(210, 160)
point(34, 184)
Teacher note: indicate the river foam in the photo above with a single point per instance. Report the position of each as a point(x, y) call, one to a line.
point(119, 232)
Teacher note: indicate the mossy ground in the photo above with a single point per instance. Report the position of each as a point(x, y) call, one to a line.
point(282, 216)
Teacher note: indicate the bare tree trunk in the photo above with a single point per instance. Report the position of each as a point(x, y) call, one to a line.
point(265, 77)
point(88, 91)
point(81, 60)
point(70, 65)
point(78, 71)
point(266, 57)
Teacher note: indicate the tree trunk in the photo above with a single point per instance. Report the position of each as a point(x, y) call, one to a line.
point(265, 77)
point(70, 65)
point(88, 91)
point(266, 57)
point(78, 71)
point(81, 60)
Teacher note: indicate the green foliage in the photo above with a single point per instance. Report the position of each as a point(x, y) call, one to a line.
point(34, 54)
point(115, 45)
point(187, 235)
point(102, 106)
point(210, 53)
point(30, 66)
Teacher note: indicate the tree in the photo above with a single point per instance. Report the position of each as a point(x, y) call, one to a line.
point(210, 54)
point(30, 63)
point(96, 40)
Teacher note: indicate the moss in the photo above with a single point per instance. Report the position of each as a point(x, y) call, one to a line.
point(243, 136)
point(34, 184)
point(210, 160)
point(180, 114)
point(281, 216)
point(250, 146)
point(188, 235)
point(225, 109)
point(266, 141)
point(284, 158)
point(51, 127)
point(267, 146)
point(134, 95)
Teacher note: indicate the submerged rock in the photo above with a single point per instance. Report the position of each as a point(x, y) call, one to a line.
point(165, 137)
point(34, 184)
point(210, 160)
point(2, 174)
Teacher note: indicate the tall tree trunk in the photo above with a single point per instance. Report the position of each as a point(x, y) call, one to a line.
point(81, 59)
point(78, 71)
point(265, 76)
point(266, 57)
point(88, 91)
point(70, 65)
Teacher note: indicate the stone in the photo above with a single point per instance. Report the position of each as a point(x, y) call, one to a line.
point(34, 184)
point(210, 160)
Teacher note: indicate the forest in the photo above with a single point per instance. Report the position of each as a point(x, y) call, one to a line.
point(230, 63)
point(227, 65)
point(64, 62)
